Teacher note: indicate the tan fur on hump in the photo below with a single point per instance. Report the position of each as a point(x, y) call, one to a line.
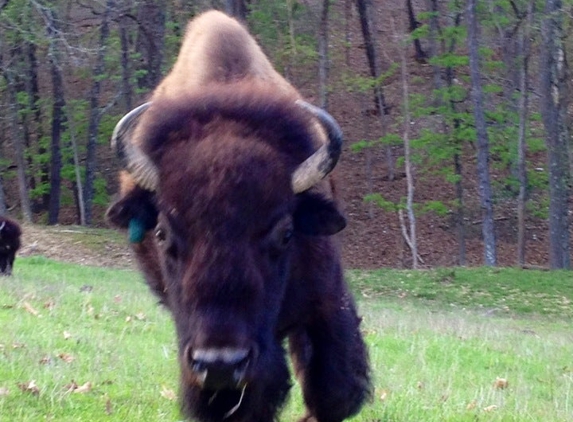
point(126, 182)
point(218, 49)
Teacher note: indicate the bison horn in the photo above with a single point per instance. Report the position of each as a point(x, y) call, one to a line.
point(309, 173)
point(2, 225)
point(322, 162)
point(133, 158)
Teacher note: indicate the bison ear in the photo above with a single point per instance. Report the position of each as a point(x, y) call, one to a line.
point(136, 212)
point(317, 216)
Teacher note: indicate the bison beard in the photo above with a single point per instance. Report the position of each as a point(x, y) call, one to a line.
point(10, 233)
point(232, 228)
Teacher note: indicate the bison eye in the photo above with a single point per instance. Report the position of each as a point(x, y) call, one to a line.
point(281, 235)
point(287, 236)
point(160, 234)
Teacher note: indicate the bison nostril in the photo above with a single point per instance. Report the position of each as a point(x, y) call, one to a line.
point(219, 368)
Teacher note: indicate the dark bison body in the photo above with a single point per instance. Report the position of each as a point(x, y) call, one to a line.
point(10, 233)
point(232, 227)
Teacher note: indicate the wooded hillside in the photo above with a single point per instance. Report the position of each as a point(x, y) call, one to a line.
point(455, 114)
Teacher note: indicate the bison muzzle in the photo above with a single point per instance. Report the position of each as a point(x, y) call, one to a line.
point(230, 213)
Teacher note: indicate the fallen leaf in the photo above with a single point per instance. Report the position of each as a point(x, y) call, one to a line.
point(45, 360)
point(18, 345)
point(490, 408)
point(383, 395)
point(420, 385)
point(108, 408)
point(168, 393)
point(117, 299)
point(66, 357)
point(30, 309)
point(4, 391)
point(140, 316)
point(29, 387)
point(67, 335)
point(85, 388)
point(71, 386)
point(471, 405)
point(128, 319)
point(500, 383)
point(49, 305)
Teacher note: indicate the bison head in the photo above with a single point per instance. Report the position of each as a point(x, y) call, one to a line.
point(221, 209)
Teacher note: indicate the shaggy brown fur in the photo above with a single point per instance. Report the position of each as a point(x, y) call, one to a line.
point(239, 260)
point(10, 233)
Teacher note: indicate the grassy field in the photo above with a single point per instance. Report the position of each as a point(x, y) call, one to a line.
point(90, 344)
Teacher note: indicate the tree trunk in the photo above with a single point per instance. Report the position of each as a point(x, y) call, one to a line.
point(17, 136)
point(323, 59)
point(554, 77)
point(523, 54)
point(126, 88)
point(413, 24)
point(460, 210)
point(150, 41)
point(237, 9)
point(58, 118)
point(33, 92)
point(435, 32)
point(482, 139)
point(411, 235)
point(365, 14)
point(348, 19)
point(3, 207)
point(95, 115)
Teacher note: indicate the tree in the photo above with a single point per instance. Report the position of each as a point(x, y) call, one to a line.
point(366, 24)
point(323, 59)
point(555, 93)
point(420, 54)
point(524, 52)
point(151, 41)
point(58, 114)
point(18, 145)
point(482, 139)
point(237, 8)
point(95, 115)
point(445, 142)
point(409, 233)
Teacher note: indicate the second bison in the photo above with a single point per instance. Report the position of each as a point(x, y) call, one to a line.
point(10, 233)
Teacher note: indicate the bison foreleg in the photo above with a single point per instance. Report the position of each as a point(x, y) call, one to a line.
point(332, 365)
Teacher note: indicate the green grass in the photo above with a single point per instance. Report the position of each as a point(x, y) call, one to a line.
point(438, 340)
point(505, 291)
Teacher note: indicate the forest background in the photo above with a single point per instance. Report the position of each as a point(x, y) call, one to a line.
point(455, 114)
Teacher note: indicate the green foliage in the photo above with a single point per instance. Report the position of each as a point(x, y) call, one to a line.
point(282, 28)
point(357, 83)
point(539, 208)
point(436, 207)
point(101, 197)
point(381, 202)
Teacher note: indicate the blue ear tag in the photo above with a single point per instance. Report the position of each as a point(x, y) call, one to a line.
point(136, 230)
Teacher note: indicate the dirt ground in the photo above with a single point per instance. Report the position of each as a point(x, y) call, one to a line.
point(76, 245)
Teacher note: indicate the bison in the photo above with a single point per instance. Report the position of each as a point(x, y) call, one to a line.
point(10, 233)
point(223, 199)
